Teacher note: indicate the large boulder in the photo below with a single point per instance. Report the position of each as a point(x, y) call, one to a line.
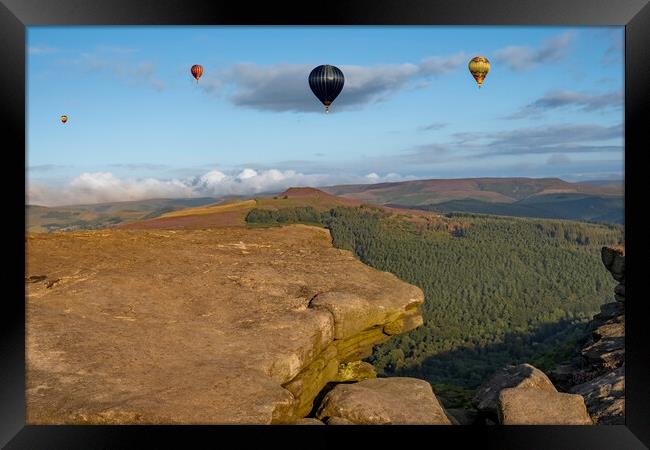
point(532, 406)
point(383, 401)
point(521, 376)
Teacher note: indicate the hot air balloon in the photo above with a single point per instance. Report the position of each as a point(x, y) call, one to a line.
point(197, 71)
point(64, 119)
point(479, 66)
point(326, 82)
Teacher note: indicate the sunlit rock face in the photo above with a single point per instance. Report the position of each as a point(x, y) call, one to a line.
point(227, 325)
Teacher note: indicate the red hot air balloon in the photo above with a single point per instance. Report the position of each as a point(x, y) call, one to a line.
point(197, 71)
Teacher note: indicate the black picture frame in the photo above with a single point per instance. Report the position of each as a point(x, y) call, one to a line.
point(16, 15)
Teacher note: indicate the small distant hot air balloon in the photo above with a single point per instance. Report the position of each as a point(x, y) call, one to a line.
point(197, 71)
point(479, 66)
point(326, 82)
point(64, 119)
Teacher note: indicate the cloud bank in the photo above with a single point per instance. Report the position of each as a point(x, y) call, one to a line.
point(579, 101)
point(551, 139)
point(100, 187)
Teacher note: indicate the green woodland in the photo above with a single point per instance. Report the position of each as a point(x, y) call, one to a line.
point(498, 290)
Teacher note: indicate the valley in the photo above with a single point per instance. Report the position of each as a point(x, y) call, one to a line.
point(497, 290)
point(598, 201)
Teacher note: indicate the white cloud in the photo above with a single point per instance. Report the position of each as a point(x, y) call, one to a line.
point(99, 187)
point(524, 57)
point(285, 87)
point(439, 65)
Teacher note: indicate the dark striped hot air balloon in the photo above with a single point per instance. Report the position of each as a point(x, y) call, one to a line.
point(326, 82)
point(64, 119)
point(197, 71)
point(479, 66)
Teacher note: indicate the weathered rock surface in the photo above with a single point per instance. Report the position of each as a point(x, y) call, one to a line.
point(605, 397)
point(339, 421)
point(521, 376)
point(383, 401)
point(613, 258)
point(608, 311)
point(598, 374)
point(355, 371)
point(606, 348)
point(199, 326)
point(534, 406)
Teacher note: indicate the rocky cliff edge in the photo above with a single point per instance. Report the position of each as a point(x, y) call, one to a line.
point(200, 326)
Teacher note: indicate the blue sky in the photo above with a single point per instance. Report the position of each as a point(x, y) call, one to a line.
point(141, 127)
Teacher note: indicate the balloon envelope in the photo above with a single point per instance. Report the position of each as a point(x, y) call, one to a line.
point(326, 82)
point(64, 119)
point(479, 66)
point(196, 71)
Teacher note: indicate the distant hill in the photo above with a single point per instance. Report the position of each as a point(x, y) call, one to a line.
point(233, 213)
point(223, 214)
point(552, 206)
point(605, 183)
point(183, 213)
point(503, 190)
point(102, 215)
point(419, 199)
point(307, 196)
point(523, 197)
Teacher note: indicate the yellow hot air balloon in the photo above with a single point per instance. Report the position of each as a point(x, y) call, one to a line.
point(479, 66)
point(64, 119)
